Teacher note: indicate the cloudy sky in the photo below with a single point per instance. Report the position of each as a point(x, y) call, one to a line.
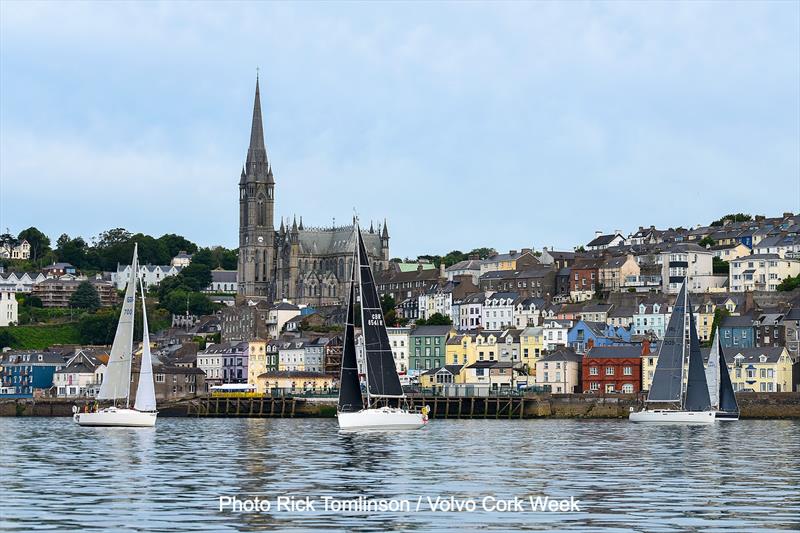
point(464, 124)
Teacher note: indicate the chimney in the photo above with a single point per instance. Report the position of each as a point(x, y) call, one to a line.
point(617, 232)
point(512, 252)
point(597, 233)
point(788, 214)
point(645, 347)
point(527, 251)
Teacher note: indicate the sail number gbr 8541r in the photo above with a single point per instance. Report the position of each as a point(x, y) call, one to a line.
point(375, 320)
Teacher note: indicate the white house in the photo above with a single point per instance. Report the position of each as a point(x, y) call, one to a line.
point(527, 312)
point(436, 299)
point(761, 272)
point(555, 333)
point(20, 281)
point(181, 260)
point(151, 275)
point(783, 245)
point(20, 251)
point(498, 310)
point(223, 281)
point(278, 316)
point(9, 308)
point(80, 377)
point(687, 259)
point(470, 311)
point(399, 339)
point(292, 355)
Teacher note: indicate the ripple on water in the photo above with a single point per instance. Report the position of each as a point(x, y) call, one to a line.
point(737, 476)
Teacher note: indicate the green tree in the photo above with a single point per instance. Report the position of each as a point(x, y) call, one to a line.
point(72, 250)
point(438, 319)
point(387, 303)
point(719, 314)
point(707, 241)
point(453, 257)
point(733, 217)
point(32, 300)
point(483, 253)
point(789, 284)
point(177, 243)
point(40, 243)
point(99, 327)
point(85, 297)
point(720, 266)
point(7, 340)
point(196, 276)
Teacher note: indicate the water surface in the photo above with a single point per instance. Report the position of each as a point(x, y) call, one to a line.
point(738, 476)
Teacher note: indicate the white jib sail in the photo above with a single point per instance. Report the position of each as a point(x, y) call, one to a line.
point(145, 392)
point(712, 372)
point(117, 378)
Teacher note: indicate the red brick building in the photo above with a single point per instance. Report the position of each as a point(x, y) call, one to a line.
point(614, 368)
point(584, 275)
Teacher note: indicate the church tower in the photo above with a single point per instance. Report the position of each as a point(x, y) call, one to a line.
point(256, 208)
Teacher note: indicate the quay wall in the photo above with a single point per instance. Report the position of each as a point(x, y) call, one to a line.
point(580, 406)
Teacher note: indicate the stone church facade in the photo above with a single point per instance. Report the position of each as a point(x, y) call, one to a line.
point(306, 265)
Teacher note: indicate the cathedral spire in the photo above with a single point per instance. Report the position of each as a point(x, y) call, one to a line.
point(385, 233)
point(301, 223)
point(257, 166)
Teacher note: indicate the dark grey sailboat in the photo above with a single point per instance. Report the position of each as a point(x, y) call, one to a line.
point(384, 394)
point(679, 350)
point(720, 388)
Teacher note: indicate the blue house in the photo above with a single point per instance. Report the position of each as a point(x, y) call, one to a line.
point(737, 332)
point(585, 333)
point(23, 374)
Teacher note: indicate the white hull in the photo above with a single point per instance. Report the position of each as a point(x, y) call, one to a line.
point(382, 418)
point(117, 417)
point(666, 416)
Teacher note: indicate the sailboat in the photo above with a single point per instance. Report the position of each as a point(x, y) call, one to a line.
point(354, 411)
point(117, 378)
point(720, 388)
point(687, 403)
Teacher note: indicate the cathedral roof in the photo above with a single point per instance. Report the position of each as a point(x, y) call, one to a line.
point(336, 241)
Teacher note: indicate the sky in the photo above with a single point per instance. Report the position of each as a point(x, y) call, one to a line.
point(506, 125)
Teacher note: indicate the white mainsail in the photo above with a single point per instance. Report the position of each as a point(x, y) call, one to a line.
point(145, 392)
point(117, 378)
point(712, 372)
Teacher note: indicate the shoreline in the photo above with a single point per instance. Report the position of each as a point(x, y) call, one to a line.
point(764, 406)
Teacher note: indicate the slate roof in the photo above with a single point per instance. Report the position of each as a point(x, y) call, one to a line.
point(563, 354)
point(223, 276)
point(338, 240)
point(751, 355)
point(602, 240)
point(621, 352)
point(431, 331)
point(740, 321)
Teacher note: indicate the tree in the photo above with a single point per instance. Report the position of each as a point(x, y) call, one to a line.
point(196, 276)
point(483, 253)
point(438, 319)
point(387, 303)
point(40, 243)
point(707, 241)
point(453, 257)
point(719, 314)
point(85, 297)
point(733, 217)
point(32, 300)
point(99, 327)
point(176, 244)
point(71, 250)
point(789, 284)
point(720, 266)
point(7, 340)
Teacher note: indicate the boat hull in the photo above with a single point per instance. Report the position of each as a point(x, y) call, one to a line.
point(113, 417)
point(666, 416)
point(384, 418)
point(723, 416)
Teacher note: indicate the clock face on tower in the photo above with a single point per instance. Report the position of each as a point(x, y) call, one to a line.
point(260, 239)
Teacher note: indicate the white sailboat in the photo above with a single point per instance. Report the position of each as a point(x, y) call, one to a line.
point(383, 383)
point(720, 388)
point(685, 403)
point(117, 379)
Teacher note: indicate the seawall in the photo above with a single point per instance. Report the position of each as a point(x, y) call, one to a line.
point(581, 406)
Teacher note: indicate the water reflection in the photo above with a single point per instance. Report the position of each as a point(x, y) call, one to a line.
point(736, 476)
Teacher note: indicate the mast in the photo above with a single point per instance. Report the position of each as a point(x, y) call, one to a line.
point(683, 344)
point(357, 267)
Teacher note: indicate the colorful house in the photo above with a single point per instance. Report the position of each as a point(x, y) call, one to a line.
point(28, 374)
point(585, 334)
point(760, 369)
point(737, 332)
point(560, 371)
point(614, 368)
point(428, 345)
point(436, 378)
point(531, 344)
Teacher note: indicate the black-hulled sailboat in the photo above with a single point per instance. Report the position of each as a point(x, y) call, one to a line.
point(382, 382)
point(720, 388)
point(683, 404)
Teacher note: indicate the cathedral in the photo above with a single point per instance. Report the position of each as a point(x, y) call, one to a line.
point(306, 265)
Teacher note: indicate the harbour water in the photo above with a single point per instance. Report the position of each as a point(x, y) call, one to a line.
point(740, 476)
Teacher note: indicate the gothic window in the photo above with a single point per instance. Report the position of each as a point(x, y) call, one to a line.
point(269, 192)
point(341, 268)
point(261, 212)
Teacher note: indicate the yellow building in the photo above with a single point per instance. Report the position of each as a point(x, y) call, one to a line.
point(438, 377)
point(256, 362)
point(704, 319)
point(760, 369)
point(531, 343)
point(457, 350)
point(295, 381)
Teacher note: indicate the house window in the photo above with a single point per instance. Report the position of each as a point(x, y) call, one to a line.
point(609, 371)
point(628, 371)
point(160, 378)
point(627, 388)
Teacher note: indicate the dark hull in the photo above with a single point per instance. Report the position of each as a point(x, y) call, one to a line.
point(726, 416)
